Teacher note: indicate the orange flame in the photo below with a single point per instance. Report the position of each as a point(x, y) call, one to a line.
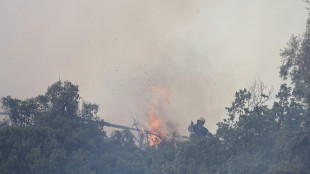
point(156, 123)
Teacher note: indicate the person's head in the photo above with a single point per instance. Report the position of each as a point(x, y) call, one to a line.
point(201, 121)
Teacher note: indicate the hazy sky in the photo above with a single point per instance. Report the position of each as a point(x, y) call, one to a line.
point(202, 50)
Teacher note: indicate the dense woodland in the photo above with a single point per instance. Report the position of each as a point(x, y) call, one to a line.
point(264, 132)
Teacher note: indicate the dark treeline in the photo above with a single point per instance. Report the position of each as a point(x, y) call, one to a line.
point(58, 133)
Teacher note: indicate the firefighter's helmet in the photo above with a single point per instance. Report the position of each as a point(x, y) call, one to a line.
point(202, 119)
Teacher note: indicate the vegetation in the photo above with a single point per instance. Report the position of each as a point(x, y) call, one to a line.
point(58, 133)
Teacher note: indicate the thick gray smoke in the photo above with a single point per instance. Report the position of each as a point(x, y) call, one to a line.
point(115, 50)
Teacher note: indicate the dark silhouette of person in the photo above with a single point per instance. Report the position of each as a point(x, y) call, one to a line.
point(198, 130)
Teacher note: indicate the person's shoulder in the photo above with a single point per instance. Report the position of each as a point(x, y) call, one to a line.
point(204, 128)
point(195, 127)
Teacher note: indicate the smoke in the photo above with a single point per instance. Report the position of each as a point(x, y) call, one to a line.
point(185, 93)
point(116, 50)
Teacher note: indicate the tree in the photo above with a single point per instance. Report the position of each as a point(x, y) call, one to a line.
point(50, 130)
point(296, 64)
point(61, 98)
point(296, 67)
point(248, 118)
point(289, 113)
point(21, 112)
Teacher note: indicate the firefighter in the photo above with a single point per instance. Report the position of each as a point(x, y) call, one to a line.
point(198, 130)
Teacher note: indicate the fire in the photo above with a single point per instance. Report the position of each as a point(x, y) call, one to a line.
point(156, 124)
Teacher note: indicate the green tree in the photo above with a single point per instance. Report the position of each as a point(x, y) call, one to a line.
point(49, 131)
point(296, 64)
point(290, 113)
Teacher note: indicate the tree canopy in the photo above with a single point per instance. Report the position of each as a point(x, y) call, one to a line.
point(58, 132)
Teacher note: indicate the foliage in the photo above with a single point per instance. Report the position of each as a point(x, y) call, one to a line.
point(58, 133)
point(51, 134)
point(296, 63)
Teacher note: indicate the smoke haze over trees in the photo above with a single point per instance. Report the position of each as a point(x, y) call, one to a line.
point(115, 50)
point(59, 132)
